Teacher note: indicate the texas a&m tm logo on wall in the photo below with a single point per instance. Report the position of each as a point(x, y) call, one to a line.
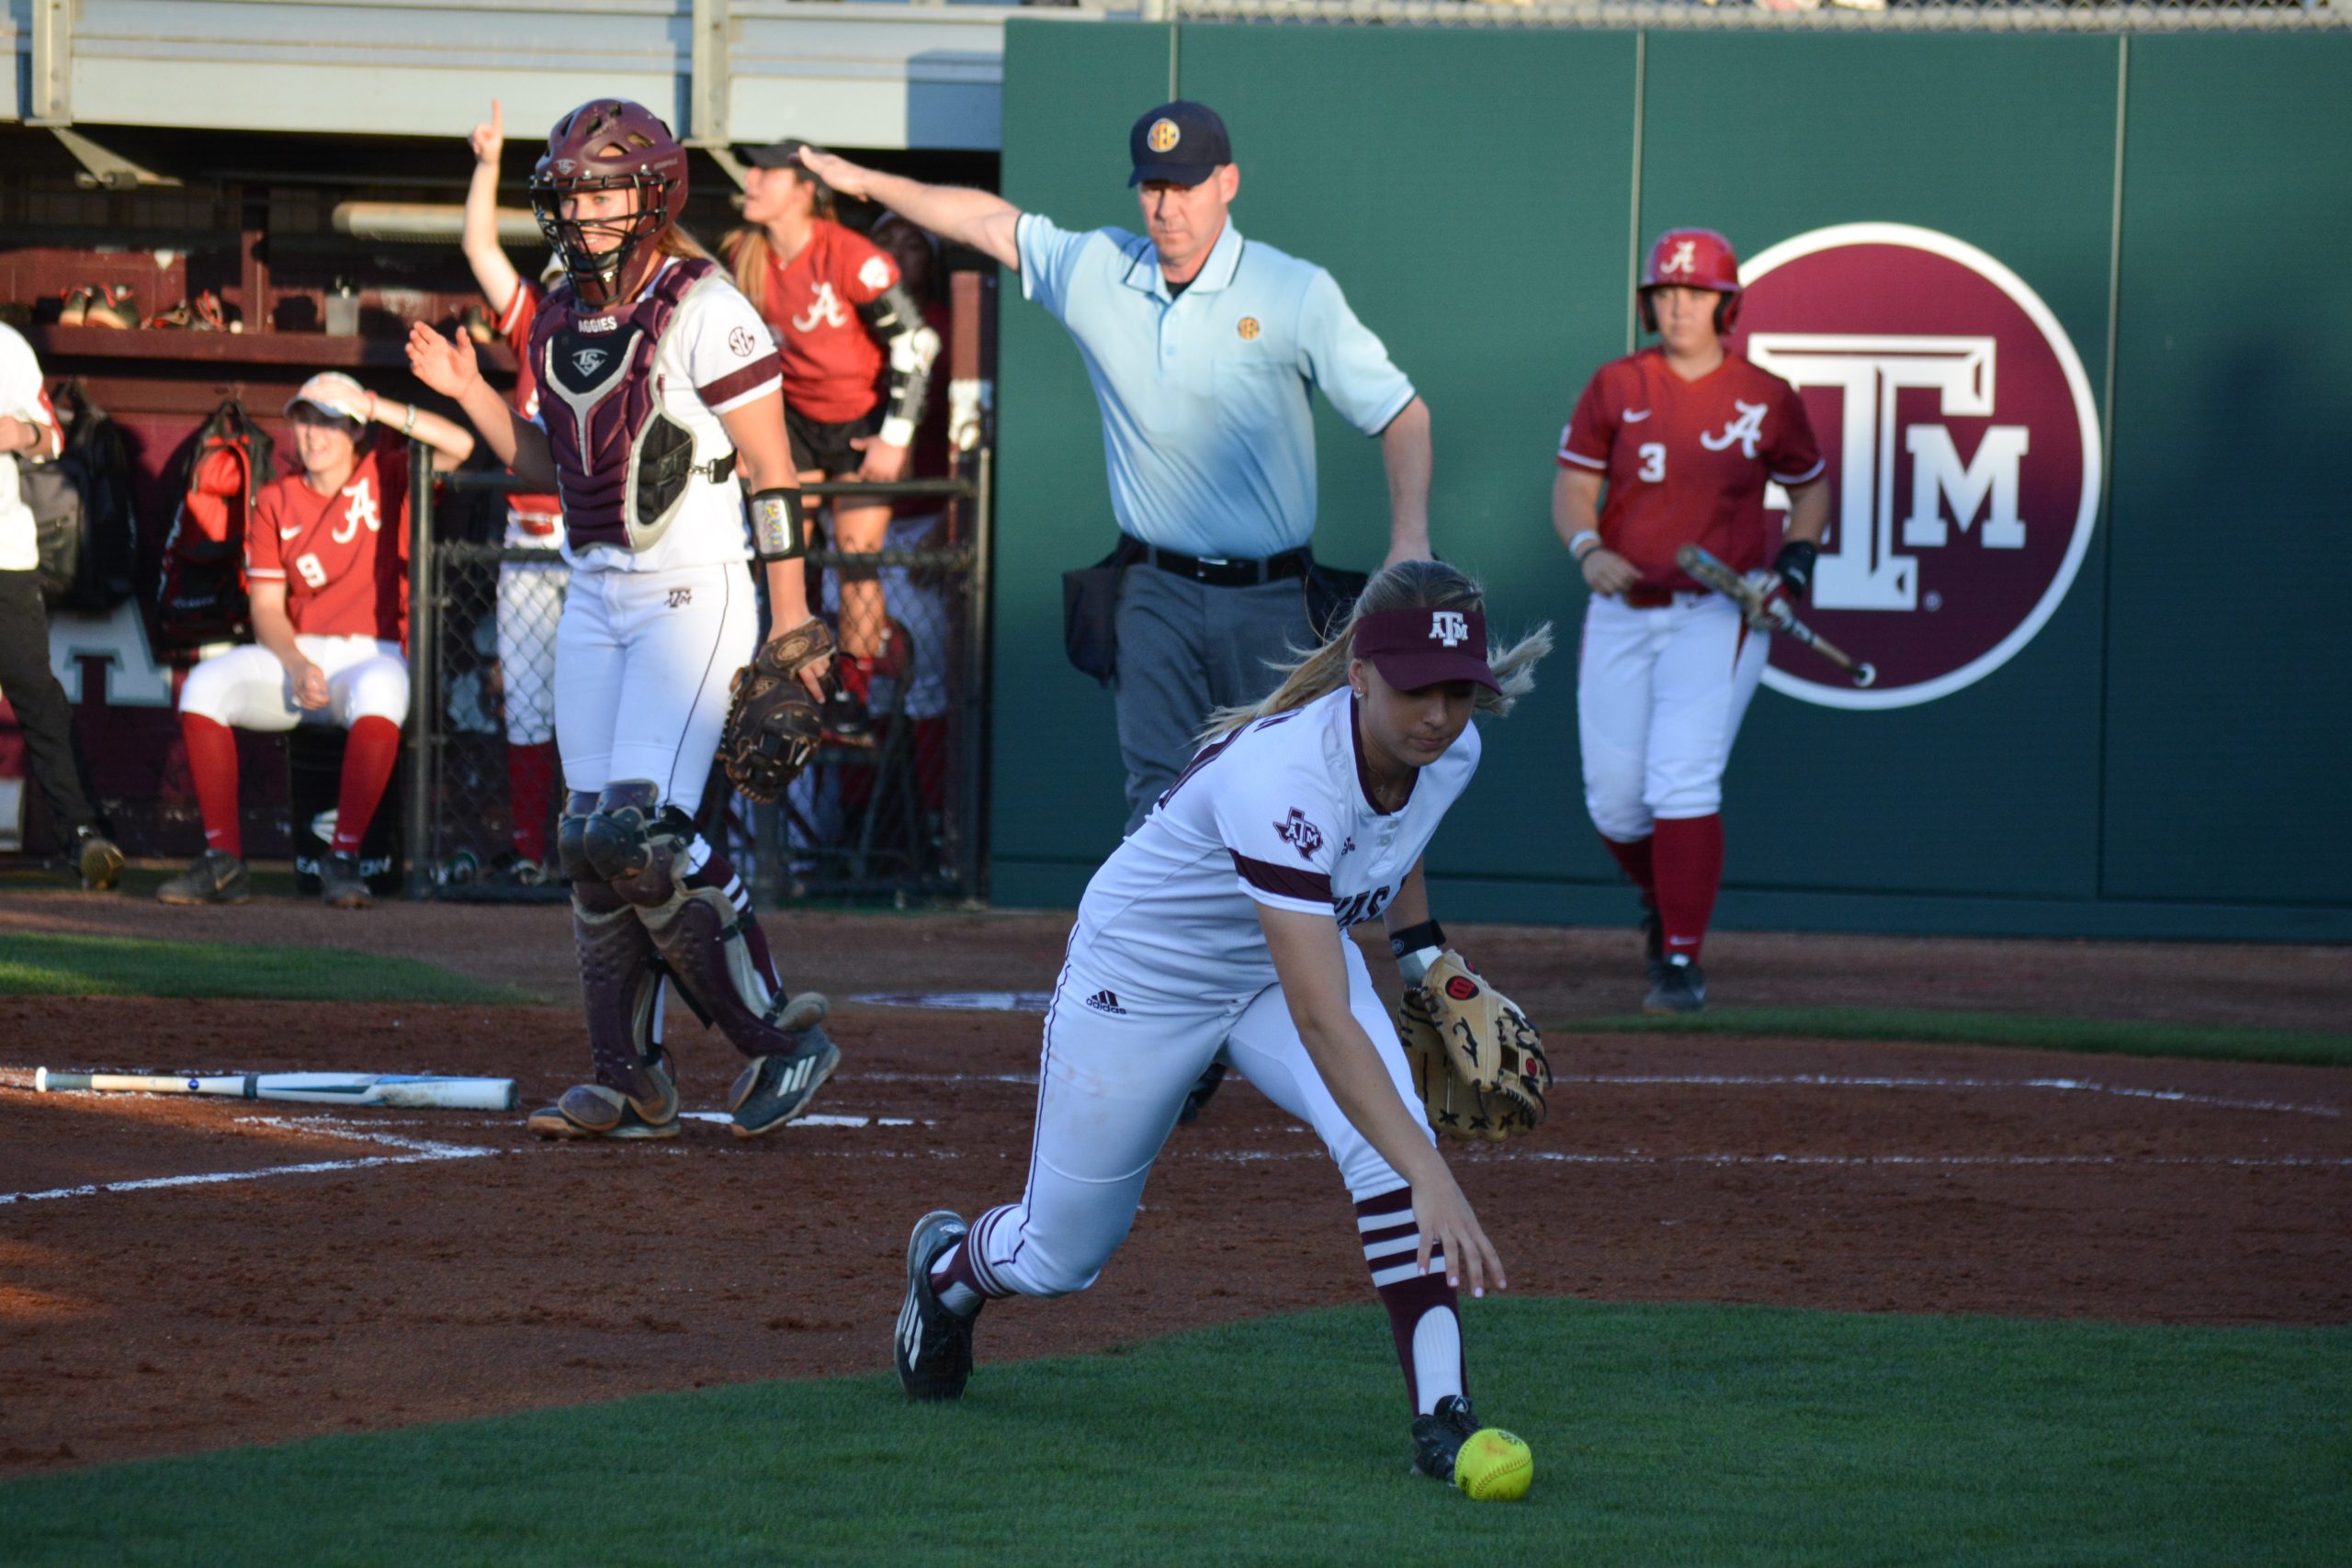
point(1963, 448)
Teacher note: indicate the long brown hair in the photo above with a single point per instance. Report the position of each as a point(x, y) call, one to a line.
point(747, 251)
point(1407, 585)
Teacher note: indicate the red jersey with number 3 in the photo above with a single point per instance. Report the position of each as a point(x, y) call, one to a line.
point(536, 516)
point(1687, 461)
point(344, 558)
point(833, 367)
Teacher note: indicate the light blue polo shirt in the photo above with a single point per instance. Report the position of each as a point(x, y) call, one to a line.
point(1206, 424)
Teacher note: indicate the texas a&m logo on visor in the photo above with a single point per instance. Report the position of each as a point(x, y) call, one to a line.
point(1963, 454)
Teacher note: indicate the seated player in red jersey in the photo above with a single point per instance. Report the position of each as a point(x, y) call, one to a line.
point(327, 555)
point(1685, 435)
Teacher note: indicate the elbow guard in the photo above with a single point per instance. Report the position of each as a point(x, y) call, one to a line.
point(777, 531)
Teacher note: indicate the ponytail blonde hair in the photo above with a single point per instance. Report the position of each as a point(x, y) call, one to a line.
point(1407, 585)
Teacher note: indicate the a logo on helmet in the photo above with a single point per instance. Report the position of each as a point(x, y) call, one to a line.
point(1684, 259)
point(564, 167)
point(1451, 627)
point(1163, 136)
point(1961, 445)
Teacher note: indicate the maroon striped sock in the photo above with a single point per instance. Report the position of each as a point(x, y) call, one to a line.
point(1422, 1308)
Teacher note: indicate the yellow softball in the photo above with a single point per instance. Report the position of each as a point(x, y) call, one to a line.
point(1494, 1466)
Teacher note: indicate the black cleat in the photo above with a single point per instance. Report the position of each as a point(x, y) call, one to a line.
point(1439, 1436)
point(215, 878)
point(935, 1346)
point(1681, 988)
point(340, 885)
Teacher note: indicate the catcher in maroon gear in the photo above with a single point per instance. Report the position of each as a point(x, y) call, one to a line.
point(1685, 435)
point(661, 402)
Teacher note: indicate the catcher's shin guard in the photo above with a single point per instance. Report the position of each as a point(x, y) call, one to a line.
point(618, 838)
point(713, 947)
point(570, 831)
point(620, 978)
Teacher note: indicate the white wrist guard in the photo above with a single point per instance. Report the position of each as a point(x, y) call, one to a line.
point(1416, 964)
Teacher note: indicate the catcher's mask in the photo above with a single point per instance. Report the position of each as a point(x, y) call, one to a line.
point(607, 144)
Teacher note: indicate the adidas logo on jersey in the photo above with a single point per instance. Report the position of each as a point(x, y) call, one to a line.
point(1105, 1001)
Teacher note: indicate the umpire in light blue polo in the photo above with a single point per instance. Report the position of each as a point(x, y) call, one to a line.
point(1203, 347)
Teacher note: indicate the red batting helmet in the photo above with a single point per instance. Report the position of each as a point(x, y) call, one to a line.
point(607, 144)
point(1692, 259)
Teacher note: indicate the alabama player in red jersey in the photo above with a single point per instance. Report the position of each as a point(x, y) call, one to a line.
point(1220, 925)
point(326, 557)
point(530, 593)
point(857, 357)
point(1684, 435)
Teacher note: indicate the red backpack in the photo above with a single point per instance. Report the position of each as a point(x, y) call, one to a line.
point(203, 595)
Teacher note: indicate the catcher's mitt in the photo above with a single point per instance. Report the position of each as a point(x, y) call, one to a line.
point(1477, 1062)
point(773, 724)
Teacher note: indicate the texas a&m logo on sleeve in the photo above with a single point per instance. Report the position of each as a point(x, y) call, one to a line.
point(1962, 451)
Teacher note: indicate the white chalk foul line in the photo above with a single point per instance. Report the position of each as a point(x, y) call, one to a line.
point(2062, 1086)
point(1558, 1157)
point(416, 1151)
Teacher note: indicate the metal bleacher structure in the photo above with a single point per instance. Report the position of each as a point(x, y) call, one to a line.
point(855, 74)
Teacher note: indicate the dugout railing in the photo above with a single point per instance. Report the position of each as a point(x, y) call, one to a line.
point(893, 813)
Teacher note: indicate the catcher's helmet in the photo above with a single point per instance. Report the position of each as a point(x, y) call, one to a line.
point(607, 144)
point(1692, 259)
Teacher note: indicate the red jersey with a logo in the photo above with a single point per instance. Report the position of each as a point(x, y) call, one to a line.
point(344, 558)
point(1687, 461)
point(538, 516)
point(833, 367)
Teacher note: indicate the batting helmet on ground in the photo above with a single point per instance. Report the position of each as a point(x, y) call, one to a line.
point(1692, 259)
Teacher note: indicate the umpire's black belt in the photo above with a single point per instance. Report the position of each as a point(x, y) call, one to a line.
point(1217, 572)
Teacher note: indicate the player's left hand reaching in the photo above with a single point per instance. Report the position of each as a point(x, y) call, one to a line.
point(884, 463)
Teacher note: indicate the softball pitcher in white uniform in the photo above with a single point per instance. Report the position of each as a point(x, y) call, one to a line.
point(1221, 922)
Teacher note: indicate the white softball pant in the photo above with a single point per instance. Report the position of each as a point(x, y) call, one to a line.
point(1110, 1086)
point(247, 688)
point(530, 608)
point(1660, 695)
point(643, 661)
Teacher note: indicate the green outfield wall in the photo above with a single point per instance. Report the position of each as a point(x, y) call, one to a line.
point(2164, 752)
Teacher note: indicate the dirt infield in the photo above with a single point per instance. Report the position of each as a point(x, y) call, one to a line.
point(434, 1265)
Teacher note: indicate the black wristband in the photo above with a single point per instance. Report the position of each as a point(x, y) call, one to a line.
point(1794, 563)
point(1412, 939)
point(777, 532)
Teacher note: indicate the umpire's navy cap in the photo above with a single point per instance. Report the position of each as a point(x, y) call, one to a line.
point(1181, 142)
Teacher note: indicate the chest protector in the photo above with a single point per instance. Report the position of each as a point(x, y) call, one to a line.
point(623, 467)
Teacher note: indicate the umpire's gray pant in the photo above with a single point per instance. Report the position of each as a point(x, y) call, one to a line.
point(1184, 649)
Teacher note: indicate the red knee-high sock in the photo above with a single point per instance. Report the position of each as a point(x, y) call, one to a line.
point(1635, 861)
point(1423, 1311)
point(530, 793)
point(368, 759)
point(212, 765)
point(1689, 868)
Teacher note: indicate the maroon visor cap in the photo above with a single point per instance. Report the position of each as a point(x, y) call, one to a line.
point(1421, 647)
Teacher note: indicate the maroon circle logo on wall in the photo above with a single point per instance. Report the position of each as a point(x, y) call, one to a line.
point(1963, 454)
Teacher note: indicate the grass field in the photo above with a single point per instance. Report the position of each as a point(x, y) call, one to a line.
point(45, 965)
point(1662, 1434)
point(2123, 1037)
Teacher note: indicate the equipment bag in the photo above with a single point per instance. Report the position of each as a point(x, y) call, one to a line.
point(202, 599)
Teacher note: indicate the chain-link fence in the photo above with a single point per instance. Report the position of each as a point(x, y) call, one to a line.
point(1922, 16)
point(890, 806)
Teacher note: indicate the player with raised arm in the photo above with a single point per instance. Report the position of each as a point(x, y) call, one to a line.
point(660, 391)
point(1685, 435)
point(1221, 923)
point(530, 593)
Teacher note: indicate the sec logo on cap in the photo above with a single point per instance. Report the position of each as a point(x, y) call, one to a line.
point(1164, 135)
